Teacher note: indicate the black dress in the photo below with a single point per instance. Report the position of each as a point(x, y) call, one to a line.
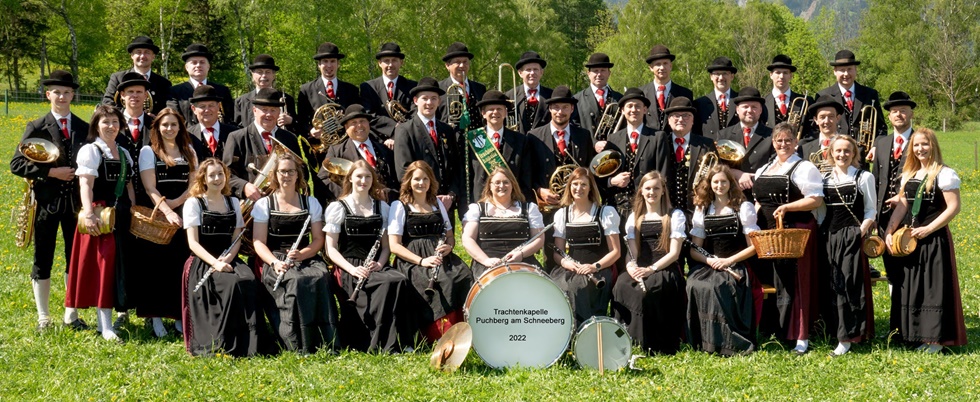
point(220, 316)
point(655, 318)
point(304, 315)
point(159, 276)
point(929, 296)
point(498, 236)
point(719, 308)
point(586, 244)
point(379, 319)
point(846, 290)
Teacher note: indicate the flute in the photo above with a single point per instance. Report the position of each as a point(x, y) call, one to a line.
point(223, 254)
point(702, 251)
point(370, 257)
point(525, 244)
point(289, 261)
point(430, 289)
point(643, 286)
point(599, 282)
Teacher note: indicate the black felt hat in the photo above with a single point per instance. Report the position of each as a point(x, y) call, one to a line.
point(205, 93)
point(132, 78)
point(781, 61)
point(493, 97)
point(634, 94)
point(599, 60)
point(825, 102)
point(659, 52)
point(530, 57)
point(328, 50)
point(390, 49)
point(680, 104)
point(263, 61)
point(142, 42)
point(354, 111)
point(561, 94)
point(722, 64)
point(748, 94)
point(268, 97)
point(195, 50)
point(457, 49)
point(844, 58)
point(427, 84)
point(899, 98)
point(60, 78)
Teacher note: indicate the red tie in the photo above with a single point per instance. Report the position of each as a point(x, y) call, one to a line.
point(330, 93)
point(136, 130)
point(267, 138)
point(634, 141)
point(746, 135)
point(368, 155)
point(532, 98)
point(679, 154)
point(825, 143)
point(432, 133)
point(660, 96)
point(212, 143)
point(561, 141)
point(782, 104)
point(898, 148)
point(496, 140)
point(64, 128)
point(602, 99)
point(722, 104)
point(850, 102)
point(391, 93)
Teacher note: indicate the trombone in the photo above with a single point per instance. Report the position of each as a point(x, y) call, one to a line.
point(513, 119)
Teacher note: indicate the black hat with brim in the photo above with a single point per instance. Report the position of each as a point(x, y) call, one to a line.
point(899, 98)
point(205, 93)
point(196, 50)
point(263, 61)
point(142, 42)
point(427, 84)
point(659, 52)
point(60, 78)
point(354, 111)
point(825, 102)
point(530, 57)
point(781, 61)
point(634, 94)
point(390, 49)
point(680, 104)
point(599, 60)
point(722, 64)
point(561, 94)
point(457, 49)
point(328, 50)
point(844, 58)
point(494, 97)
point(268, 97)
point(748, 94)
point(132, 78)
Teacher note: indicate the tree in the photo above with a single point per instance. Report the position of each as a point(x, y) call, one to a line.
point(21, 24)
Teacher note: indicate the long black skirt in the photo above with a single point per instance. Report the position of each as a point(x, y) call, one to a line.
point(586, 299)
point(379, 319)
point(655, 318)
point(158, 277)
point(930, 293)
point(220, 316)
point(453, 282)
point(846, 294)
point(304, 316)
point(719, 310)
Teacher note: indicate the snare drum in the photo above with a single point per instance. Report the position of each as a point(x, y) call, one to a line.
point(616, 345)
point(519, 317)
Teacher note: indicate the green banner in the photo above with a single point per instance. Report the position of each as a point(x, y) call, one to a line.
point(485, 152)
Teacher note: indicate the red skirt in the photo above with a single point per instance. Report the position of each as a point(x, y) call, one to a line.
point(92, 272)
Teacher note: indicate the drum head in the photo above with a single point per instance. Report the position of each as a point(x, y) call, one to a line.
point(616, 344)
point(520, 318)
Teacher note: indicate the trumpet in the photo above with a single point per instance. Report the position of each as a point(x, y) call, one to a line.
point(513, 119)
point(430, 289)
point(612, 118)
point(327, 118)
point(396, 111)
point(708, 162)
point(869, 127)
point(797, 110)
point(598, 282)
point(455, 103)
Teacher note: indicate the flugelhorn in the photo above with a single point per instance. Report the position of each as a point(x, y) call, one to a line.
point(513, 121)
point(797, 111)
point(455, 103)
point(868, 128)
point(708, 162)
point(396, 111)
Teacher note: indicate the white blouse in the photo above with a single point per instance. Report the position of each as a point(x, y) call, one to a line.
point(192, 212)
point(865, 185)
point(396, 223)
point(335, 214)
point(608, 218)
point(148, 159)
point(534, 217)
point(746, 214)
point(807, 177)
point(678, 225)
point(90, 156)
point(260, 212)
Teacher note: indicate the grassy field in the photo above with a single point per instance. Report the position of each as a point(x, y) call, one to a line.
point(66, 365)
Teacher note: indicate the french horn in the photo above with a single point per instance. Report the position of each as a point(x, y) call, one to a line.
point(327, 119)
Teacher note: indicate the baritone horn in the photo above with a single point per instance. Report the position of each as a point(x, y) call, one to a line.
point(455, 103)
point(708, 162)
point(612, 118)
point(797, 111)
point(37, 150)
point(869, 127)
point(730, 151)
point(606, 163)
point(337, 168)
point(513, 121)
point(396, 111)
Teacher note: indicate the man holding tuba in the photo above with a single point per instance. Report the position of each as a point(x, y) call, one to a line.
point(854, 97)
point(142, 51)
point(457, 60)
point(782, 102)
point(264, 70)
point(55, 187)
point(662, 88)
point(715, 108)
point(386, 98)
point(593, 100)
point(751, 134)
point(497, 145)
point(197, 62)
point(529, 97)
point(326, 88)
point(359, 145)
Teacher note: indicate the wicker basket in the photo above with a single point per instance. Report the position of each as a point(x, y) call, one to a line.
point(779, 243)
point(150, 226)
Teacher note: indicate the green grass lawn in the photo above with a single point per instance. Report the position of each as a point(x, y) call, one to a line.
point(62, 364)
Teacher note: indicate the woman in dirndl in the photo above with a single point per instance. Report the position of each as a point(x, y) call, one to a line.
point(165, 167)
point(850, 197)
point(501, 221)
point(929, 296)
point(720, 288)
point(790, 188)
point(304, 316)
point(218, 313)
point(377, 318)
point(650, 300)
point(105, 174)
point(589, 234)
point(421, 236)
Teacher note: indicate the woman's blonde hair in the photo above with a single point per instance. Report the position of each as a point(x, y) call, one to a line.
point(200, 184)
point(515, 190)
point(376, 191)
point(829, 156)
point(577, 174)
point(301, 186)
point(934, 162)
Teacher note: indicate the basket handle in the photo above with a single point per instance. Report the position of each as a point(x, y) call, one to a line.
point(157, 207)
point(779, 221)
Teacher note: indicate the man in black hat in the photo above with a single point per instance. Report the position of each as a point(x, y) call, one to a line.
point(197, 63)
point(715, 108)
point(752, 134)
point(389, 87)
point(511, 145)
point(661, 89)
point(592, 101)
point(142, 51)
point(779, 103)
point(686, 150)
point(428, 139)
point(890, 153)
point(135, 134)
point(359, 145)
point(556, 144)
point(55, 189)
point(854, 97)
point(324, 89)
point(263, 70)
point(825, 113)
point(529, 97)
point(637, 143)
point(457, 60)
point(209, 134)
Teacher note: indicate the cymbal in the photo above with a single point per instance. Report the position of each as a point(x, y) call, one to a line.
point(452, 348)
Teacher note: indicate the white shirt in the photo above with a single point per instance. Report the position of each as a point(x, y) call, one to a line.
point(665, 91)
point(260, 129)
point(537, 92)
point(465, 84)
point(426, 120)
point(217, 132)
point(608, 219)
point(145, 75)
point(325, 86)
point(534, 217)
point(843, 92)
point(905, 140)
point(129, 121)
point(605, 92)
point(357, 145)
point(192, 212)
point(58, 117)
point(673, 141)
point(806, 176)
point(90, 156)
point(196, 83)
point(678, 223)
point(751, 133)
point(789, 96)
point(865, 186)
point(396, 222)
point(746, 214)
point(335, 214)
point(629, 133)
point(148, 159)
point(567, 136)
point(260, 212)
point(728, 97)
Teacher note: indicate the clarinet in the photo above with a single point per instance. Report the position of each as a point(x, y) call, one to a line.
point(289, 261)
point(643, 286)
point(525, 244)
point(702, 251)
point(370, 257)
point(599, 282)
point(223, 254)
point(430, 289)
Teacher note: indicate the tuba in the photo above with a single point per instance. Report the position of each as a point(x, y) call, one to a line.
point(797, 110)
point(708, 162)
point(513, 121)
point(327, 119)
point(868, 127)
point(456, 103)
point(37, 150)
point(612, 117)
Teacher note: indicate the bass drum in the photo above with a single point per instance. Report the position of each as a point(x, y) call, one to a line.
point(605, 334)
point(519, 317)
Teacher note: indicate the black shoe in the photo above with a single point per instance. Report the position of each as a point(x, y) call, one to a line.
point(875, 274)
point(78, 325)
